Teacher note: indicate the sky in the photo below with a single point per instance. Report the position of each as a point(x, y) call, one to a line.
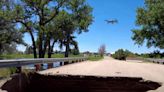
point(114, 36)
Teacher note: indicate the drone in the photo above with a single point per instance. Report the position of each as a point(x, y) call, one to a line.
point(112, 21)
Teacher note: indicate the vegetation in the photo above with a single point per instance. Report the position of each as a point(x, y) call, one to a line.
point(75, 51)
point(9, 35)
point(5, 72)
point(123, 54)
point(94, 58)
point(155, 54)
point(102, 50)
point(47, 23)
point(150, 20)
point(18, 56)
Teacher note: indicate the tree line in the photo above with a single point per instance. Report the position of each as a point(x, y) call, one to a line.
point(121, 54)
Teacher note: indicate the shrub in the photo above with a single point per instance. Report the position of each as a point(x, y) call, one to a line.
point(120, 54)
point(123, 54)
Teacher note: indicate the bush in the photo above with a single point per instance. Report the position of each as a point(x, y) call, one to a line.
point(120, 54)
point(12, 70)
point(155, 54)
point(5, 72)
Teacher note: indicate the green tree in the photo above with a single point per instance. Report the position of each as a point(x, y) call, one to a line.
point(28, 50)
point(150, 20)
point(9, 35)
point(75, 51)
point(35, 16)
point(120, 54)
point(75, 21)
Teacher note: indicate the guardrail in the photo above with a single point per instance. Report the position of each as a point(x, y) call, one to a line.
point(153, 60)
point(159, 61)
point(23, 62)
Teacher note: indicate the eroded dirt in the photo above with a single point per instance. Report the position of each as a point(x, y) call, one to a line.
point(68, 83)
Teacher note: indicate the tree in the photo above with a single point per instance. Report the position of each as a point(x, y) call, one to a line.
point(9, 35)
point(28, 50)
point(75, 51)
point(123, 54)
point(155, 54)
point(75, 21)
point(150, 19)
point(120, 54)
point(102, 50)
point(36, 15)
point(9, 48)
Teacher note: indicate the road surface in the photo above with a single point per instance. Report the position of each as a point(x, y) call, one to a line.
point(111, 67)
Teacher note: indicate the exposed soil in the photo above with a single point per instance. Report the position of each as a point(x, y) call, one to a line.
point(68, 83)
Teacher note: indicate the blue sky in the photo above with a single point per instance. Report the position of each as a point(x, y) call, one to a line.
point(113, 36)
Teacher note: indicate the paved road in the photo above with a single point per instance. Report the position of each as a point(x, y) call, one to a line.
point(111, 67)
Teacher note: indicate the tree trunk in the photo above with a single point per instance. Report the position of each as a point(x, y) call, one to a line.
point(67, 50)
point(50, 65)
point(50, 50)
point(37, 66)
point(40, 48)
point(1, 49)
point(43, 41)
point(34, 45)
point(40, 45)
point(67, 45)
point(44, 48)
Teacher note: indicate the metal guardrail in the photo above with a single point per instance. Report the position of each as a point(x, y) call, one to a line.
point(159, 61)
point(23, 62)
point(153, 60)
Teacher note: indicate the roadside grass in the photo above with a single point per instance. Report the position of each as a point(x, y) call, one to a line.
point(95, 58)
point(6, 72)
point(19, 56)
point(16, 56)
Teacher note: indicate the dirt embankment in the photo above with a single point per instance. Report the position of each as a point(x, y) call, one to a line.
point(68, 83)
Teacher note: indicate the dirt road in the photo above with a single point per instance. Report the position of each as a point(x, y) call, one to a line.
point(111, 67)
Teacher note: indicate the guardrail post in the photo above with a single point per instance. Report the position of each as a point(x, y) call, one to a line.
point(37, 67)
point(61, 63)
point(66, 62)
point(19, 69)
point(50, 65)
